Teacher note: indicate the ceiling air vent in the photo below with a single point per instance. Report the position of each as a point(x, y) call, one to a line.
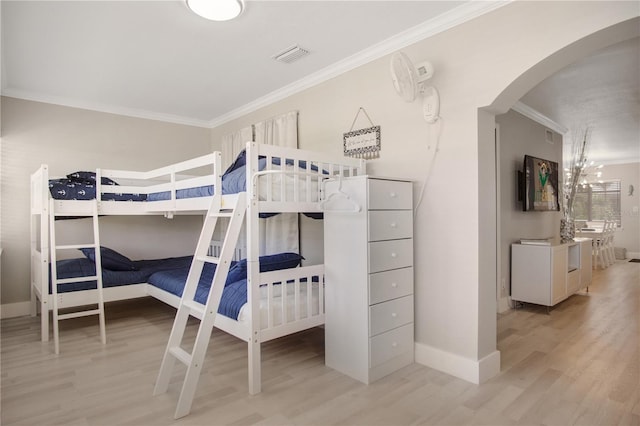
point(290, 54)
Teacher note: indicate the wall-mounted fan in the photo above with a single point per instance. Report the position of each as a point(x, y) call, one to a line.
point(409, 82)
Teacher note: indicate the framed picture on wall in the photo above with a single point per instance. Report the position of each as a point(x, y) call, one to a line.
point(541, 185)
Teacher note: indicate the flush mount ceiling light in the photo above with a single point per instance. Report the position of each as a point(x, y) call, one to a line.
point(216, 10)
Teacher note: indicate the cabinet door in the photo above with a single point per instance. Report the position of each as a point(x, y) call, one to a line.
point(559, 274)
point(585, 263)
point(531, 274)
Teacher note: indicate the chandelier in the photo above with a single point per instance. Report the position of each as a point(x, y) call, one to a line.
point(588, 173)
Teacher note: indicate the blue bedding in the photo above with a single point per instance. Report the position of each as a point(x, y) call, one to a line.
point(170, 275)
point(71, 268)
point(234, 180)
point(82, 186)
point(234, 295)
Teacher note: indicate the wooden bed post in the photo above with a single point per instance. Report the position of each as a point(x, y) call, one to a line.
point(40, 258)
point(253, 270)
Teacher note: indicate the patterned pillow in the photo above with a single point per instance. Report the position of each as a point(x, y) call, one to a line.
point(111, 259)
point(268, 263)
point(89, 178)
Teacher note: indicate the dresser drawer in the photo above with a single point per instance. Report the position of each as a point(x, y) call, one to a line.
point(386, 346)
point(391, 314)
point(390, 224)
point(389, 285)
point(392, 254)
point(389, 195)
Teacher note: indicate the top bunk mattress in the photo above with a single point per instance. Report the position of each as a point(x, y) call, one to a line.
point(82, 185)
point(234, 181)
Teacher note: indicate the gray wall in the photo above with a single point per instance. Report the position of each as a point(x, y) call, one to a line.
point(487, 63)
point(519, 135)
point(628, 236)
point(68, 140)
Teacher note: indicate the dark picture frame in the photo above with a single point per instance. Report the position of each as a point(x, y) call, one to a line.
point(541, 190)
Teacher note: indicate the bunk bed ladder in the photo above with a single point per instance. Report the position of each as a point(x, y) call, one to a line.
point(205, 313)
point(55, 281)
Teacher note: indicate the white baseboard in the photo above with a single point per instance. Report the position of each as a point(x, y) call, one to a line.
point(12, 310)
point(474, 371)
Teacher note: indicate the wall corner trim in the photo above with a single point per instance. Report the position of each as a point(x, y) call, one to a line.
point(474, 371)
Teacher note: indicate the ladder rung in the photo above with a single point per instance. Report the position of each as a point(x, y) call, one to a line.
point(209, 259)
point(78, 213)
point(76, 279)
point(181, 355)
point(75, 246)
point(79, 314)
point(194, 307)
point(221, 214)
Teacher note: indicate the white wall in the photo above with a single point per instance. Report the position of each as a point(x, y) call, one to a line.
point(628, 236)
point(490, 62)
point(68, 140)
point(519, 135)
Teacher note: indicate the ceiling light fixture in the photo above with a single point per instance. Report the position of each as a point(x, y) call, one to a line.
point(217, 10)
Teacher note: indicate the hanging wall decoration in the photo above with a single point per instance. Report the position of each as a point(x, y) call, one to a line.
point(362, 143)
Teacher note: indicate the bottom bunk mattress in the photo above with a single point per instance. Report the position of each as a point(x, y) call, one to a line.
point(233, 303)
point(170, 275)
point(139, 272)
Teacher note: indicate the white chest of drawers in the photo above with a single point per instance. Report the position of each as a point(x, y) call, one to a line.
point(368, 259)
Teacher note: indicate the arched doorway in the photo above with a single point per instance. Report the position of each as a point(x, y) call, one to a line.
point(489, 276)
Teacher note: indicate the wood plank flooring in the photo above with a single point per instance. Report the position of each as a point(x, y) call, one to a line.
point(578, 365)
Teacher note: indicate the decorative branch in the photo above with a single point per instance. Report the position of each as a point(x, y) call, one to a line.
point(579, 145)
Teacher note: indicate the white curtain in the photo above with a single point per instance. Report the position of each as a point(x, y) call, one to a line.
point(281, 231)
point(234, 143)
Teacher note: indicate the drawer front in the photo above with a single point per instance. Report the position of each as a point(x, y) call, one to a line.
point(393, 254)
point(386, 346)
point(390, 285)
point(389, 315)
point(390, 224)
point(390, 195)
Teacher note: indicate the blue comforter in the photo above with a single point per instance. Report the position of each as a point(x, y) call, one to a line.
point(234, 180)
point(82, 186)
point(81, 267)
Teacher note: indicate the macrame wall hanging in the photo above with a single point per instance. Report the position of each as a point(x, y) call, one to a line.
point(362, 143)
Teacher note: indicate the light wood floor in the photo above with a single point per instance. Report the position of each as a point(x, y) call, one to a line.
point(578, 365)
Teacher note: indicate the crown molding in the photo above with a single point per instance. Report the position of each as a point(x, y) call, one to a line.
point(448, 20)
point(109, 109)
point(459, 15)
point(539, 117)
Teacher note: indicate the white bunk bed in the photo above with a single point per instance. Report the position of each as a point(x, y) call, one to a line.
point(43, 205)
point(277, 180)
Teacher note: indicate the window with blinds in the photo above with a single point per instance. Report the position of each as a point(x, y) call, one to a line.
point(598, 201)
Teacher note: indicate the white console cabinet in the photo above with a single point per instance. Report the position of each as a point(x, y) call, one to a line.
point(368, 259)
point(548, 274)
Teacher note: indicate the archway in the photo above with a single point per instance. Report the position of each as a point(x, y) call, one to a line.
point(564, 56)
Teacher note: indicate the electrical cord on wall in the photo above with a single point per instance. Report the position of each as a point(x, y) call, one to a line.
point(432, 149)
